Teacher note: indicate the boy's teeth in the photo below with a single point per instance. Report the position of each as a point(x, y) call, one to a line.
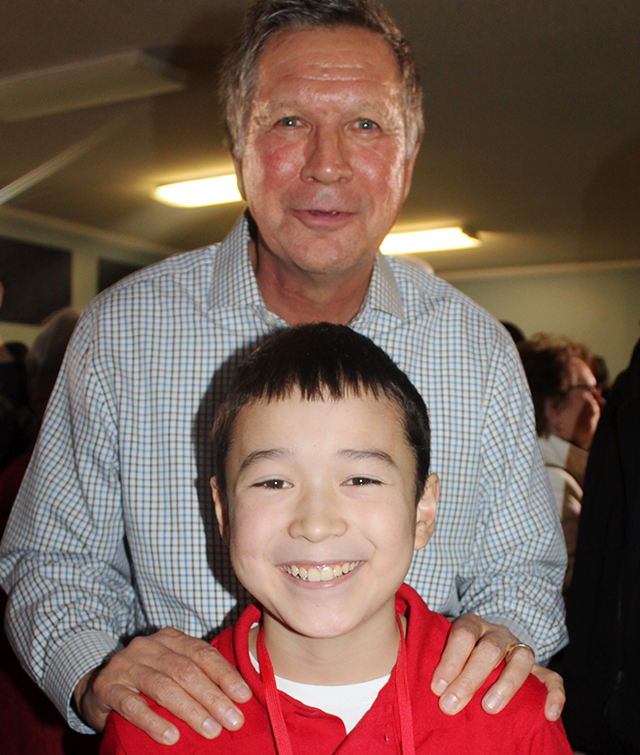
point(320, 573)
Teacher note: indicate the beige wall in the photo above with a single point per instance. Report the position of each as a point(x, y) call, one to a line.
point(598, 304)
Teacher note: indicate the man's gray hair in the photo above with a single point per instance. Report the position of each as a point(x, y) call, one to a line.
point(266, 18)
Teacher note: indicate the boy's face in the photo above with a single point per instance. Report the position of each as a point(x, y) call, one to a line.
point(322, 520)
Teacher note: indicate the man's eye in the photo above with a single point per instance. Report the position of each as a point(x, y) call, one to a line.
point(273, 484)
point(366, 124)
point(289, 120)
point(360, 480)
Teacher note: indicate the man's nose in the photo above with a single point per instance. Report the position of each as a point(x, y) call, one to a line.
point(318, 516)
point(326, 160)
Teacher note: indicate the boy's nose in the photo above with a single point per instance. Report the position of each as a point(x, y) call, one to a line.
point(318, 517)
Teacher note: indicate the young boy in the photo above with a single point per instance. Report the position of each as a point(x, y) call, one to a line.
point(322, 492)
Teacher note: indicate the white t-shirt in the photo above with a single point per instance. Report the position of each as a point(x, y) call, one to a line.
point(346, 701)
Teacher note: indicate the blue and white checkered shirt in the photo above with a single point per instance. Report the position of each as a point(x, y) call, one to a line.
point(114, 531)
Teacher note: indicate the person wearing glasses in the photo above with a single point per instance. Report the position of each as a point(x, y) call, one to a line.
point(567, 403)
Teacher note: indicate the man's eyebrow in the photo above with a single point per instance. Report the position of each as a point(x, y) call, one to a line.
point(379, 105)
point(267, 453)
point(358, 454)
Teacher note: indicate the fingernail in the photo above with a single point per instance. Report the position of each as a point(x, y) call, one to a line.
point(170, 736)
point(232, 717)
point(449, 703)
point(211, 728)
point(440, 686)
point(493, 702)
point(240, 690)
point(555, 712)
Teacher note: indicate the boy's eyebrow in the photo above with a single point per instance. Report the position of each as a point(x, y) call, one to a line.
point(366, 453)
point(267, 453)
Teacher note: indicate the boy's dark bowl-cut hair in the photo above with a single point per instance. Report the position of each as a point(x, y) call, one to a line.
point(321, 360)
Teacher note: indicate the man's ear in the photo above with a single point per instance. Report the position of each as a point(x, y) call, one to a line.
point(237, 164)
point(222, 515)
point(408, 173)
point(426, 512)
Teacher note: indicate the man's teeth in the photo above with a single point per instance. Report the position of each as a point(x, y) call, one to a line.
point(320, 573)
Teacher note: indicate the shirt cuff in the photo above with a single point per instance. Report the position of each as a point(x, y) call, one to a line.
point(79, 654)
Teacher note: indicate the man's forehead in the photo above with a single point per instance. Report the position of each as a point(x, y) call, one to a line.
point(342, 53)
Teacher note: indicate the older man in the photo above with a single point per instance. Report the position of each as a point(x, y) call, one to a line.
point(113, 535)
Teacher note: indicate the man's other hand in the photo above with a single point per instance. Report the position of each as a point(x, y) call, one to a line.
point(183, 674)
point(473, 650)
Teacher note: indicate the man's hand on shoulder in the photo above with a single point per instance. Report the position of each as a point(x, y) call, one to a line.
point(183, 674)
point(473, 650)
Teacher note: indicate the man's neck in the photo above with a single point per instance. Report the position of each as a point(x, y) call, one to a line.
point(298, 296)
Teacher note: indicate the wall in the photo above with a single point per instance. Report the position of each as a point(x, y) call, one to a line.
point(598, 303)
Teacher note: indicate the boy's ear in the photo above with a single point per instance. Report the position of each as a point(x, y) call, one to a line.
point(426, 512)
point(222, 514)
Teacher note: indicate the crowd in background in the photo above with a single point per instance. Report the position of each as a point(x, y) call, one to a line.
point(589, 434)
point(30, 722)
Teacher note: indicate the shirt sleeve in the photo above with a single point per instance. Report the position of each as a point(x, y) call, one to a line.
point(63, 558)
point(516, 565)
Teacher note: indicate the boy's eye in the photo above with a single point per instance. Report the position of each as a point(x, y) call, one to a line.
point(360, 480)
point(273, 484)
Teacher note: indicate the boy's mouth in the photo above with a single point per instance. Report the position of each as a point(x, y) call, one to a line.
point(324, 573)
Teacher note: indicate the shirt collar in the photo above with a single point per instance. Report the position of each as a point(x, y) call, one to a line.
point(383, 294)
point(234, 282)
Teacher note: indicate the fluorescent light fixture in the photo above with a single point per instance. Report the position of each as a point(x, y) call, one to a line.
point(435, 240)
point(199, 192)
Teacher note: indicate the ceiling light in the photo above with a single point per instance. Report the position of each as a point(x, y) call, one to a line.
point(435, 240)
point(200, 192)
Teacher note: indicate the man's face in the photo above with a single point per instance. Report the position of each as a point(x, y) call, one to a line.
point(321, 513)
point(325, 167)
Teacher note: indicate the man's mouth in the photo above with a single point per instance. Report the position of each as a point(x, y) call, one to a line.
point(324, 573)
point(324, 212)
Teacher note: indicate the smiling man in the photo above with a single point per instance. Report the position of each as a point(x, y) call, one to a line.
point(325, 167)
point(111, 536)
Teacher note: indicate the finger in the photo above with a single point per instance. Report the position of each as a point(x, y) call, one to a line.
point(461, 642)
point(190, 705)
point(513, 676)
point(133, 708)
point(487, 654)
point(220, 671)
point(177, 682)
point(556, 697)
point(209, 660)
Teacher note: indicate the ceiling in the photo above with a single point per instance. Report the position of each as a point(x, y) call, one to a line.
point(532, 112)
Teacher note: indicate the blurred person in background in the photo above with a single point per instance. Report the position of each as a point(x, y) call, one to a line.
point(41, 366)
point(42, 729)
point(514, 331)
point(17, 425)
point(567, 403)
point(601, 665)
